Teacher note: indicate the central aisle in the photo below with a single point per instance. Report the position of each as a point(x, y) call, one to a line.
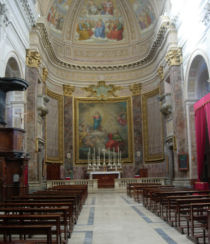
point(114, 218)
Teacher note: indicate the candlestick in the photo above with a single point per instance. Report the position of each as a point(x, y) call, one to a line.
point(104, 157)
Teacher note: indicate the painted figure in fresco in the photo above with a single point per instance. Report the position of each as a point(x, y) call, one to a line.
point(97, 121)
point(108, 7)
point(51, 15)
point(144, 12)
point(59, 22)
point(115, 30)
point(84, 30)
point(92, 8)
point(100, 29)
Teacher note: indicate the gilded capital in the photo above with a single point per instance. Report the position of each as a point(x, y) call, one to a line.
point(68, 90)
point(174, 57)
point(161, 73)
point(33, 58)
point(44, 74)
point(135, 89)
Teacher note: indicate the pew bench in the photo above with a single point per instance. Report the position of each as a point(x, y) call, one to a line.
point(63, 211)
point(8, 231)
point(53, 220)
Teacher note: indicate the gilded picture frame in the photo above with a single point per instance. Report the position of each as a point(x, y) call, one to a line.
point(103, 127)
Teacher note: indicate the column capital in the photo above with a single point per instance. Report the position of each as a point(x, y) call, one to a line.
point(161, 73)
point(33, 58)
point(68, 90)
point(174, 56)
point(136, 89)
point(44, 74)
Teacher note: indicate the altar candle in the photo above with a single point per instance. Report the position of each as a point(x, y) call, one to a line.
point(118, 155)
point(89, 156)
point(104, 156)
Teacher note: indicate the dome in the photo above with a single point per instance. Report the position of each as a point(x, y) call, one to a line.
point(101, 31)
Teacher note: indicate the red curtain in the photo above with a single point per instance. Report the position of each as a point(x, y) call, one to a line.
point(200, 139)
point(207, 110)
point(202, 115)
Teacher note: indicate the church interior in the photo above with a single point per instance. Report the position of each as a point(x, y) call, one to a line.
point(105, 103)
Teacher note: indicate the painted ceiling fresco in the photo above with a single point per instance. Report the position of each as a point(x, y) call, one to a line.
point(57, 14)
point(100, 21)
point(144, 13)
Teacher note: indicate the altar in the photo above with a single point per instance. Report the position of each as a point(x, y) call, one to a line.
point(105, 178)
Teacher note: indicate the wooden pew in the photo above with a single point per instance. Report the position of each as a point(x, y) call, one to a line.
point(34, 219)
point(44, 211)
point(45, 203)
point(132, 186)
point(10, 230)
point(198, 214)
point(52, 198)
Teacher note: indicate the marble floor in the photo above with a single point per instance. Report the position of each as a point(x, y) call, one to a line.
point(114, 218)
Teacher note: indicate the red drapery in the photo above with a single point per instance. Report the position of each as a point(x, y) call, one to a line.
point(207, 110)
point(202, 115)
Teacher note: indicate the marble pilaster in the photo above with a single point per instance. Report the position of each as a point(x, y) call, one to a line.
point(32, 75)
point(68, 135)
point(179, 115)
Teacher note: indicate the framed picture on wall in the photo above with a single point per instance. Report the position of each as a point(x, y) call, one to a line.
point(103, 128)
point(183, 162)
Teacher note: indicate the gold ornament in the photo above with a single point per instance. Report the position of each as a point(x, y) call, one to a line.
point(136, 89)
point(68, 90)
point(174, 57)
point(33, 58)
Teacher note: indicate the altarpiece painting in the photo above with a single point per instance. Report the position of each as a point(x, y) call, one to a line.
point(102, 127)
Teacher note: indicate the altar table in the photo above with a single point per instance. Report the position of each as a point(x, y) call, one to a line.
point(105, 178)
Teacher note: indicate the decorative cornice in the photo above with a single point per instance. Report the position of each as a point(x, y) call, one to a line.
point(174, 57)
point(44, 74)
point(28, 9)
point(206, 16)
point(4, 18)
point(136, 89)
point(101, 90)
point(161, 73)
point(68, 90)
point(33, 58)
point(153, 50)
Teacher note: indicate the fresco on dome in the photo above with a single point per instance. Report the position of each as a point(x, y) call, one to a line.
point(144, 13)
point(57, 13)
point(100, 21)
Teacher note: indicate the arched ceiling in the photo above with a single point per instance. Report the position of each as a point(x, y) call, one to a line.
point(101, 31)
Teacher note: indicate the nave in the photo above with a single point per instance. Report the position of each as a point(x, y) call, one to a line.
point(114, 218)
